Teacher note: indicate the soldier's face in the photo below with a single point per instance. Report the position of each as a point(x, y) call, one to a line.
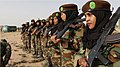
point(38, 23)
point(47, 24)
point(41, 24)
point(90, 20)
point(63, 16)
point(55, 20)
point(32, 22)
point(51, 22)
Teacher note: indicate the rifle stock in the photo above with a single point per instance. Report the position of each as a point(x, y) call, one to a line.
point(108, 30)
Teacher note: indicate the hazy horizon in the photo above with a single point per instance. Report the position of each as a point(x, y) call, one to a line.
point(16, 12)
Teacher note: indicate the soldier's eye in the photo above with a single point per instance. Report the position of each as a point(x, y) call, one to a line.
point(88, 14)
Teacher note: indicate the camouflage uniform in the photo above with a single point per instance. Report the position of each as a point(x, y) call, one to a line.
point(54, 49)
point(42, 41)
point(70, 43)
point(63, 52)
point(92, 35)
point(34, 42)
point(67, 55)
point(78, 45)
point(33, 36)
point(23, 36)
point(39, 51)
point(42, 38)
point(42, 32)
point(55, 56)
point(27, 38)
point(68, 50)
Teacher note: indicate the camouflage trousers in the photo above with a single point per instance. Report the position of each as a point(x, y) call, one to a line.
point(23, 38)
point(44, 41)
point(24, 42)
point(68, 58)
point(46, 50)
point(76, 57)
point(62, 59)
point(28, 42)
point(38, 46)
point(55, 57)
point(33, 39)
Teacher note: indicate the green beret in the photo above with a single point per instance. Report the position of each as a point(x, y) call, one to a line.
point(43, 20)
point(56, 14)
point(96, 5)
point(66, 7)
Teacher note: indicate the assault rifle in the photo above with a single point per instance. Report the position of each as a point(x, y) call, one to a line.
point(42, 30)
point(109, 28)
point(53, 27)
point(76, 20)
point(38, 30)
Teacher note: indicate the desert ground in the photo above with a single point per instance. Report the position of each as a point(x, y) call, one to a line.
point(20, 58)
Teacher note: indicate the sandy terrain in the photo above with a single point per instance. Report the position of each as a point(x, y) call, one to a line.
point(19, 57)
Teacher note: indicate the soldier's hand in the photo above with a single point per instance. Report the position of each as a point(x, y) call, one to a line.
point(78, 25)
point(82, 62)
point(53, 38)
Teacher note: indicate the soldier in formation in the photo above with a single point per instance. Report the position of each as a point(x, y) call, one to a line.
point(97, 15)
point(65, 41)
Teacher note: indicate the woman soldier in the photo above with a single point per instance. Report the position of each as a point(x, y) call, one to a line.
point(97, 13)
point(69, 12)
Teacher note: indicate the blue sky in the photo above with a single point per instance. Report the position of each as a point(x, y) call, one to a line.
point(16, 12)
